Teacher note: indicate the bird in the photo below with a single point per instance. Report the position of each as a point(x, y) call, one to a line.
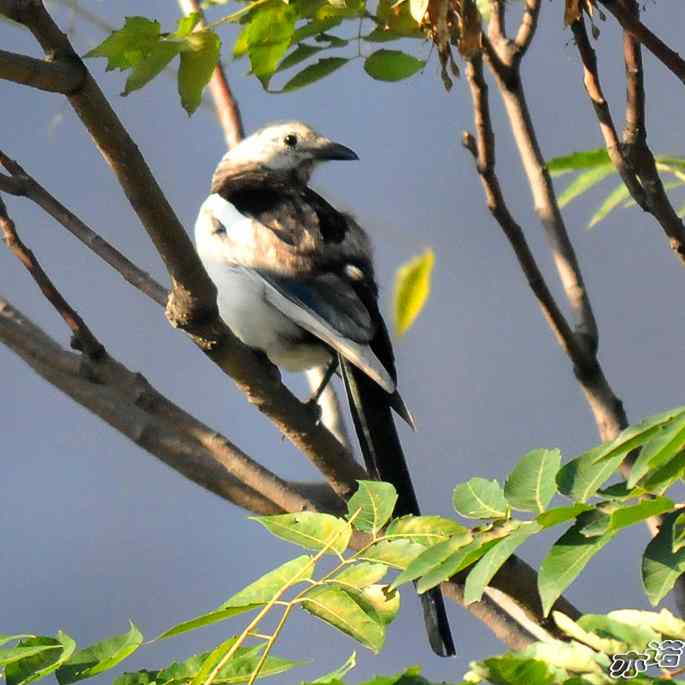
point(295, 282)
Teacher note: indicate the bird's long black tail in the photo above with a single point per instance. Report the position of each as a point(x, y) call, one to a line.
point(370, 407)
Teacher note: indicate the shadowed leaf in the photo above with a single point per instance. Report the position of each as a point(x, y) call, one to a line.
point(661, 566)
point(392, 65)
point(314, 72)
point(479, 498)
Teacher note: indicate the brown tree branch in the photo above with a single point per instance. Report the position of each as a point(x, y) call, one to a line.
point(192, 303)
point(55, 77)
point(504, 58)
point(23, 185)
point(631, 24)
point(82, 337)
point(594, 91)
point(636, 148)
point(226, 106)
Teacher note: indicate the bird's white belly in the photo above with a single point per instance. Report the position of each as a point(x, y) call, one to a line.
point(244, 309)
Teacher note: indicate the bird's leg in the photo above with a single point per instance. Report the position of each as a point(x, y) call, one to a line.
point(314, 398)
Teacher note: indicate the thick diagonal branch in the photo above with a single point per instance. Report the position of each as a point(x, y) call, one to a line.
point(55, 77)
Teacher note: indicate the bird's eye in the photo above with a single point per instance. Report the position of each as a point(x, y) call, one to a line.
point(290, 140)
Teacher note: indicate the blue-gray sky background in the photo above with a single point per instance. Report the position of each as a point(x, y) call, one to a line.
point(94, 531)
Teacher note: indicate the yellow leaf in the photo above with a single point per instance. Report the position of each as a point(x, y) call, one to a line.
point(412, 288)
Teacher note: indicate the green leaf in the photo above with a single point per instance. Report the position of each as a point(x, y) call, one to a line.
point(582, 477)
point(151, 65)
point(137, 678)
point(315, 28)
point(457, 561)
point(100, 657)
point(661, 566)
point(127, 46)
point(39, 665)
point(479, 498)
point(335, 607)
point(264, 589)
point(268, 37)
point(571, 656)
point(380, 603)
point(678, 533)
point(554, 517)
point(659, 481)
point(597, 642)
point(660, 449)
point(254, 595)
point(426, 530)
point(565, 560)
point(663, 622)
point(197, 67)
point(302, 52)
point(207, 619)
point(333, 41)
point(9, 655)
point(309, 529)
point(374, 501)
point(584, 181)
point(212, 660)
point(587, 159)
point(392, 65)
point(532, 483)
point(613, 200)
point(395, 553)
point(627, 515)
point(432, 558)
point(238, 669)
point(314, 72)
point(334, 677)
point(412, 288)
point(637, 435)
point(484, 570)
point(634, 637)
point(513, 669)
point(359, 575)
point(4, 639)
point(381, 35)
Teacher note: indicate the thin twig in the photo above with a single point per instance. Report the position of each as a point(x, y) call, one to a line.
point(594, 91)
point(83, 339)
point(631, 24)
point(636, 148)
point(23, 185)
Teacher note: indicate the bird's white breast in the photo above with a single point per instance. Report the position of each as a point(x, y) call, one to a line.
point(241, 300)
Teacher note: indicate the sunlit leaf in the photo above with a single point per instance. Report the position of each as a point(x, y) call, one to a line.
point(613, 200)
point(663, 622)
point(532, 483)
point(395, 553)
point(372, 505)
point(334, 677)
point(151, 65)
point(128, 45)
point(479, 498)
point(426, 530)
point(554, 517)
point(100, 657)
point(10, 654)
point(208, 619)
point(600, 643)
point(512, 669)
point(678, 533)
point(268, 37)
point(392, 65)
point(197, 67)
point(634, 637)
point(412, 290)
point(360, 575)
point(584, 181)
point(264, 589)
point(337, 608)
point(586, 159)
point(39, 665)
point(309, 529)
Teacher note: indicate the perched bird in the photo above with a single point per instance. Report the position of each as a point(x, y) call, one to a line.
point(295, 280)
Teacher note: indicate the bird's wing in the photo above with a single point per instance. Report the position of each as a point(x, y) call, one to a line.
point(328, 308)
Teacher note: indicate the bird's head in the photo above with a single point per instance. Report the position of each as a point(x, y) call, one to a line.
point(291, 147)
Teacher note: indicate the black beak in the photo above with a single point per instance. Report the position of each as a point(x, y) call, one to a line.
point(327, 149)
